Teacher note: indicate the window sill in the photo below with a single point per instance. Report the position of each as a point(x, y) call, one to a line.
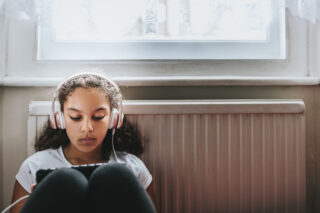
point(173, 81)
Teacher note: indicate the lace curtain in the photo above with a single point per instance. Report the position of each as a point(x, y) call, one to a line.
point(35, 10)
point(39, 10)
point(305, 9)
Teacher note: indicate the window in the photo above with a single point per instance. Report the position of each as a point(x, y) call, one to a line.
point(163, 30)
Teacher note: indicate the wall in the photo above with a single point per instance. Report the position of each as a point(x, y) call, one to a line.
point(1, 150)
point(315, 154)
point(15, 147)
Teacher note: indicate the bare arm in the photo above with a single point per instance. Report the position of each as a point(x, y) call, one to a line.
point(151, 193)
point(18, 192)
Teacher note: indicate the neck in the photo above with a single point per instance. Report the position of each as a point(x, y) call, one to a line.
point(77, 157)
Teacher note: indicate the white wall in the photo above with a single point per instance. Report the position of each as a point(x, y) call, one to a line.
point(1, 150)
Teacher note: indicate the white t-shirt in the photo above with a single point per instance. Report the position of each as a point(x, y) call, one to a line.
point(54, 158)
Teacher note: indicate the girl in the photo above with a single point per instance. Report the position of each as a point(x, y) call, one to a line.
point(82, 133)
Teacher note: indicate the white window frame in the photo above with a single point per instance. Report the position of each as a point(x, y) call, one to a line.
point(274, 48)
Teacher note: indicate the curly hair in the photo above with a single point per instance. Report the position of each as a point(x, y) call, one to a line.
point(127, 138)
point(112, 92)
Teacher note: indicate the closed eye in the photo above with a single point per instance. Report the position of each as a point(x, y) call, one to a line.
point(75, 118)
point(93, 118)
point(98, 118)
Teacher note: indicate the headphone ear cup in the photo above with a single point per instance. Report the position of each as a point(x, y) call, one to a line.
point(113, 119)
point(60, 120)
point(53, 121)
point(62, 123)
point(120, 121)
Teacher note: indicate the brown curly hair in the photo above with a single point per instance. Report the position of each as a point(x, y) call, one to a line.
point(127, 138)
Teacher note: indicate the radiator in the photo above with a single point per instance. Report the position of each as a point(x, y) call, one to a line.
point(217, 155)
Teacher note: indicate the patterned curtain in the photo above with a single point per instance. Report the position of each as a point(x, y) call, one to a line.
point(196, 17)
point(306, 9)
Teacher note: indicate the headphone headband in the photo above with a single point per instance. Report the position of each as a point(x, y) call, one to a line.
point(116, 114)
point(77, 75)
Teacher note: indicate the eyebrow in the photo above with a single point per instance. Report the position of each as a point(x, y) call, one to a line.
point(77, 110)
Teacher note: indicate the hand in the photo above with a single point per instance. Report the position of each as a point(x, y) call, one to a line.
point(33, 186)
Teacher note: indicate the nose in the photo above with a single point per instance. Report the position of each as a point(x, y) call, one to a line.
point(86, 125)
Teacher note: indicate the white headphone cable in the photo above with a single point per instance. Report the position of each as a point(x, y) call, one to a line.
point(17, 201)
point(112, 142)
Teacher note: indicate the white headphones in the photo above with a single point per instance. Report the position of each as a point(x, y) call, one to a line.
point(57, 118)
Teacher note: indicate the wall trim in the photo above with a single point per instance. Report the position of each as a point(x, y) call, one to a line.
point(198, 106)
point(173, 81)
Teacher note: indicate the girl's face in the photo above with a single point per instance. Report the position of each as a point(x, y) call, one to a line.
point(87, 117)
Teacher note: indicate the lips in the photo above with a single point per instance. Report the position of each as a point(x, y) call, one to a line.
point(87, 140)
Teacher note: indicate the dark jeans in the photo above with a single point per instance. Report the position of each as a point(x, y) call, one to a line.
point(110, 188)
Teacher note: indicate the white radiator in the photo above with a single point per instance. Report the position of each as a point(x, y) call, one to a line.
point(217, 155)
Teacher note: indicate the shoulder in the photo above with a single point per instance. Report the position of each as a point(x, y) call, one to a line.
point(131, 161)
point(129, 158)
point(35, 159)
point(40, 159)
point(44, 158)
point(27, 171)
point(137, 166)
point(50, 158)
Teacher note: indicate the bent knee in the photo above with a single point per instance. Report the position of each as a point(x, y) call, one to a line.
point(113, 173)
point(66, 179)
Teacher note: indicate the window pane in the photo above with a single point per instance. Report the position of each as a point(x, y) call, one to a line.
point(163, 20)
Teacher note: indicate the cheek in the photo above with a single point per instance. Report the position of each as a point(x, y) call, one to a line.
point(71, 125)
point(104, 123)
point(101, 127)
point(72, 129)
point(71, 133)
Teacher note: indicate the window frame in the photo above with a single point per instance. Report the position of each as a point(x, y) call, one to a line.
point(275, 48)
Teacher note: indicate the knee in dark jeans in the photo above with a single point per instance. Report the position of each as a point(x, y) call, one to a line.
point(66, 179)
point(115, 188)
point(63, 190)
point(112, 174)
